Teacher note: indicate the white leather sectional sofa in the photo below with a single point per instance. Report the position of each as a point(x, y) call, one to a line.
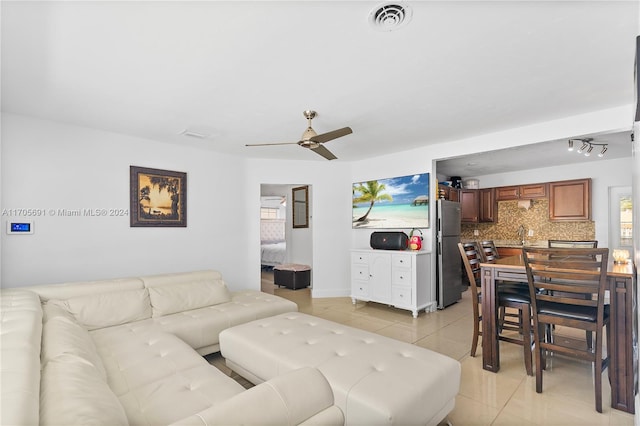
point(128, 351)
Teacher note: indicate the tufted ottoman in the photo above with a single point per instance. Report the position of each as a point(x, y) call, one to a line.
point(375, 379)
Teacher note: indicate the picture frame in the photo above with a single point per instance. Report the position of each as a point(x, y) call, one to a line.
point(158, 198)
point(401, 202)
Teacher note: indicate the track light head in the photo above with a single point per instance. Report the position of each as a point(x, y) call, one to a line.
point(584, 146)
point(588, 153)
point(570, 144)
point(604, 149)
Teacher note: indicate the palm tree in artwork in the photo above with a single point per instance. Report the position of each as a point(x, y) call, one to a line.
point(371, 191)
point(144, 196)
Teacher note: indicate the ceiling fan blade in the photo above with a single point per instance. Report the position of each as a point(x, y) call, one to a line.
point(269, 144)
point(326, 137)
point(320, 149)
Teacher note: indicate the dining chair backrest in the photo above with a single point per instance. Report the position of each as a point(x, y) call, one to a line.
point(563, 275)
point(471, 259)
point(573, 244)
point(490, 251)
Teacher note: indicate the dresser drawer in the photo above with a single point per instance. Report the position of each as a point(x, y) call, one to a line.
point(401, 296)
point(360, 272)
point(360, 289)
point(360, 258)
point(401, 276)
point(401, 261)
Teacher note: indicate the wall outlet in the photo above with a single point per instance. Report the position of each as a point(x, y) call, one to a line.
point(476, 233)
point(530, 232)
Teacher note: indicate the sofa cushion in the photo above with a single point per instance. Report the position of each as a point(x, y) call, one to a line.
point(157, 377)
point(73, 393)
point(21, 328)
point(172, 298)
point(85, 288)
point(62, 336)
point(108, 309)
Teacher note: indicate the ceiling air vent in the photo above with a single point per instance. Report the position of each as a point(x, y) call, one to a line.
point(389, 16)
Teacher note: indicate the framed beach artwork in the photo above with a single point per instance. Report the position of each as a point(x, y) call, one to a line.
point(399, 202)
point(157, 197)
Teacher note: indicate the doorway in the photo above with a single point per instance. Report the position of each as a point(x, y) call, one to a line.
point(620, 218)
point(280, 241)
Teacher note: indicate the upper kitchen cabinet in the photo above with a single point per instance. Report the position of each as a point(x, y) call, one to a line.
point(478, 205)
point(488, 208)
point(570, 200)
point(469, 206)
point(521, 192)
point(449, 193)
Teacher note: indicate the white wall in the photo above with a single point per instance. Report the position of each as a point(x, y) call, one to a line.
point(604, 174)
point(48, 165)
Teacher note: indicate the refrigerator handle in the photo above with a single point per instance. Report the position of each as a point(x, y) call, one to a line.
point(439, 248)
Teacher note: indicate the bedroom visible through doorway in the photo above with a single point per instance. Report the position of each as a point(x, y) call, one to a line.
point(280, 243)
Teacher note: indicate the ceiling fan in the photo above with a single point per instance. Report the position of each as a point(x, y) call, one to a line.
point(312, 140)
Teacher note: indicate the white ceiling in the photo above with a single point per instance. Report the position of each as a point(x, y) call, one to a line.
point(243, 72)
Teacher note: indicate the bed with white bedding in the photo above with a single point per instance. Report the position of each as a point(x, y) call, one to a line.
point(273, 254)
point(273, 249)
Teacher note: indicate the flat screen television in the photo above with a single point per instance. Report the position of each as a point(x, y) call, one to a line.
point(392, 203)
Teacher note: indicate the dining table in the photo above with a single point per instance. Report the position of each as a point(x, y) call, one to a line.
point(623, 353)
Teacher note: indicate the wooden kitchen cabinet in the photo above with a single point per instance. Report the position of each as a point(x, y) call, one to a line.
point(521, 192)
point(469, 206)
point(488, 206)
point(478, 205)
point(570, 200)
point(451, 194)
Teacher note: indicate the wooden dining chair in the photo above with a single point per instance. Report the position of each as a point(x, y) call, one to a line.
point(573, 244)
point(565, 274)
point(490, 254)
point(471, 254)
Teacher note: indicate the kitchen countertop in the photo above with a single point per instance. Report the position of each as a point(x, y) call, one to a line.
point(518, 244)
point(514, 243)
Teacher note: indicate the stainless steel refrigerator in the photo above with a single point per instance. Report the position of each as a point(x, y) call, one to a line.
point(449, 267)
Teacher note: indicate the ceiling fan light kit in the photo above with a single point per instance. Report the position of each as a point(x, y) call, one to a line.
point(313, 141)
point(587, 146)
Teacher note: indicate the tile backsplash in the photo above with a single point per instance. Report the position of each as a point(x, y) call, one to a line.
point(510, 217)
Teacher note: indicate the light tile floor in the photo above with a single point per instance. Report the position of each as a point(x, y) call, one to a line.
point(504, 398)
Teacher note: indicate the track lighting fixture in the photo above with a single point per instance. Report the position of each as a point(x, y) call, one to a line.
point(587, 146)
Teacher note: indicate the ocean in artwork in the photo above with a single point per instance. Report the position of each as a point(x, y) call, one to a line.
point(393, 216)
point(401, 202)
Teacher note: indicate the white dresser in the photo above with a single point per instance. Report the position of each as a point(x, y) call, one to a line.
point(398, 278)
